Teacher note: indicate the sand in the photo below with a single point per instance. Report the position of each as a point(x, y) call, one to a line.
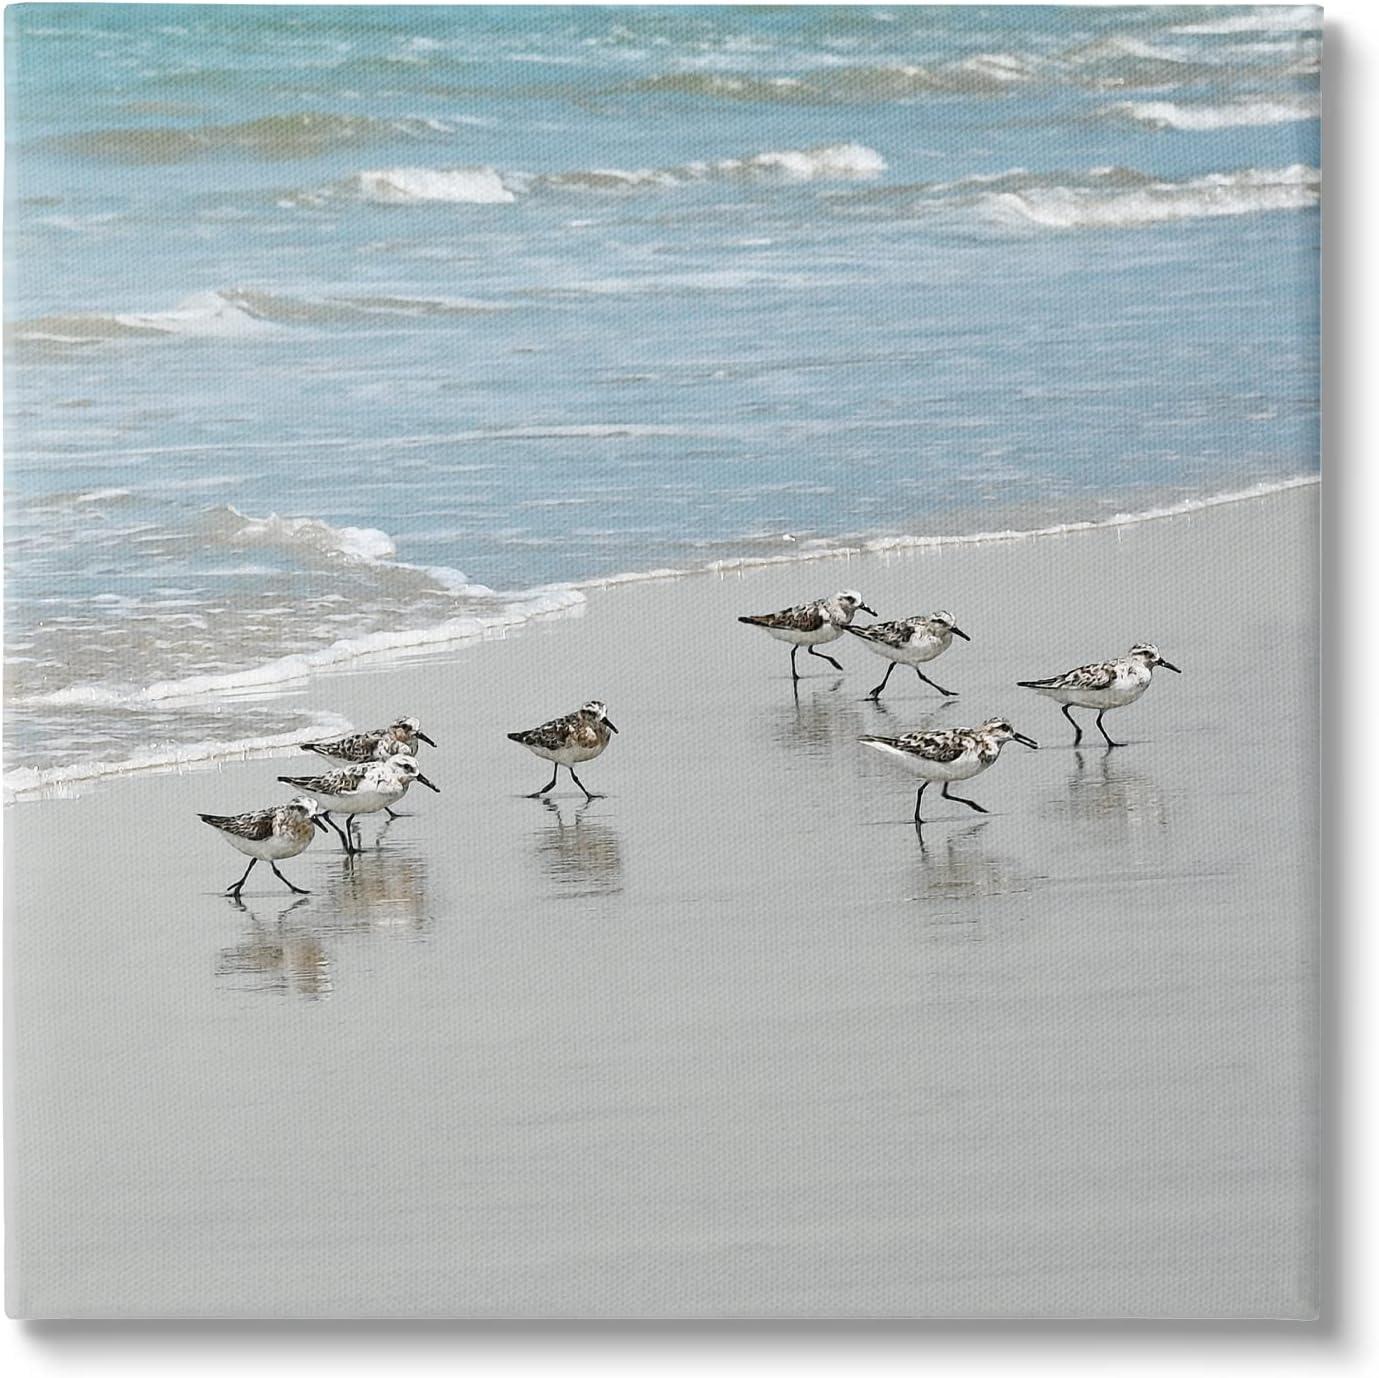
point(733, 1041)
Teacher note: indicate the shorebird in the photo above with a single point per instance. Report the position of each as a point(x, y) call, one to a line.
point(270, 835)
point(366, 788)
point(911, 641)
point(956, 754)
point(578, 736)
point(811, 624)
point(404, 734)
point(1103, 686)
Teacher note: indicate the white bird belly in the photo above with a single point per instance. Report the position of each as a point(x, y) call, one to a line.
point(963, 768)
point(830, 631)
point(359, 801)
point(568, 755)
point(1115, 695)
point(918, 652)
point(276, 847)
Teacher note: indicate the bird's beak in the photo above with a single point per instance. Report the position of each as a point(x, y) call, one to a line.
point(422, 780)
point(422, 737)
point(1167, 666)
point(1026, 741)
point(864, 608)
point(958, 631)
point(608, 723)
point(320, 822)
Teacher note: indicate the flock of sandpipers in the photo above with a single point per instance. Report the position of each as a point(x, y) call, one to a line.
point(380, 766)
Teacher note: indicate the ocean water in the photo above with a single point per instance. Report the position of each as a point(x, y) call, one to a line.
point(338, 332)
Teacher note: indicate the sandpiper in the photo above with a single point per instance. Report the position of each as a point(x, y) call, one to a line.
point(911, 641)
point(1103, 686)
point(578, 736)
point(365, 788)
point(956, 754)
point(811, 624)
point(405, 733)
point(269, 835)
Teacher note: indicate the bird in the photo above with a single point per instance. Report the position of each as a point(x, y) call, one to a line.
point(911, 641)
point(577, 737)
point(364, 788)
point(269, 835)
point(405, 733)
point(811, 624)
point(1103, 686)
point(958, 753)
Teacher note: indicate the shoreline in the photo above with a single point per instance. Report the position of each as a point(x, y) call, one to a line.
point(23, 784)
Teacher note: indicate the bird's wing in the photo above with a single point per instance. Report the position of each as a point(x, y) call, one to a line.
point(256, 826)
point(935, 746)
point(807, 617)
point(885, 633)
point(550, 735)
point(1088, 677)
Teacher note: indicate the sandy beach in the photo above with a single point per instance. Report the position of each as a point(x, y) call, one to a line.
point(732, 1041)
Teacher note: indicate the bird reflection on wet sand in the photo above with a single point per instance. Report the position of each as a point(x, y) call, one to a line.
point(291, 950)
point(957, 867)
point(1106, 789)
point(281, 954)
point(815, 721)
point(582, 854)
point(379, 890)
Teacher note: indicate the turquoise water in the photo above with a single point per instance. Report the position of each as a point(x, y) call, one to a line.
point(336, 329)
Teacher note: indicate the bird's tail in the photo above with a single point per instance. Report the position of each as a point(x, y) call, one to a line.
point(517, 736)
point(317, 747)
point(754, 620)
point(1034, 683)
point(297, 780)
point(877, 741)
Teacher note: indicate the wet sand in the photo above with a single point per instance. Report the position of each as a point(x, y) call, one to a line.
point(733, 1041)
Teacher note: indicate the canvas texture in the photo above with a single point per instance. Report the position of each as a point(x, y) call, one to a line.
point(765, 521)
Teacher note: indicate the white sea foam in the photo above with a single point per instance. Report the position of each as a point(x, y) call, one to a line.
point(357, 543)
point(291, 669)
point(1088, 207)
point(26, 782)
point(1260, 19)
point(1164, 114)
point(400, 186)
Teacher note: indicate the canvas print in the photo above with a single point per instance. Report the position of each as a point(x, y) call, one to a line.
point(660, 661)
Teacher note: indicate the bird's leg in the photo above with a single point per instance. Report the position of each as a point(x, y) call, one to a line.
point(815, 652)
point(918, 798)
point(356, 836)
point(876, 693)
point(336, 827)
point(957, 799)
point(794, 669)
point(239, 884)
point(581, 784)
point(1067, 713)
point(1104, 732)
point(555, 775)
point(296, 889)
point(947, 693)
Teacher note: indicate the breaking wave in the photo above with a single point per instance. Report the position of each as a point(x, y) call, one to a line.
point(227, 314)
point(1102, 198)
point(400, 186)
point(1164, 114)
